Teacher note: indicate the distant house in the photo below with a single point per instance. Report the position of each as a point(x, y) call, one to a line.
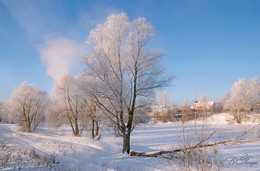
point(204, 105)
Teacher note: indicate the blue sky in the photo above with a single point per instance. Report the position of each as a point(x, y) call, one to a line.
point(207, 44)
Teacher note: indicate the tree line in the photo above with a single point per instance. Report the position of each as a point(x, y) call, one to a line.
point(243, 98)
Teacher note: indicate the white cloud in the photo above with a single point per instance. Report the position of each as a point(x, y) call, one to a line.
point(60, 55)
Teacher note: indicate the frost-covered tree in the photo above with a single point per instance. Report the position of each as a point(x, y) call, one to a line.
point(92, 112)
point(1, 110)
point(254, 93)
point(163, 107)
point(203, 98)
point(66, 103)
point(27, 105)
point(89, 105)
point(6, 115)
point(222, 101)
point(163, 99)
point(238, 104)
point(125, 71)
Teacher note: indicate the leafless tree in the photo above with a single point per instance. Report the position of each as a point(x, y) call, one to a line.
point(254, 93)
point(1, 110)
point(91, 110)
point(222, 101)
point(124, 71)
point(238, 104)
point(27, 105)
point(66, 103)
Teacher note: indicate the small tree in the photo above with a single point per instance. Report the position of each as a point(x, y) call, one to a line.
point(6, 115)
point(238, 104)
point(187, 113)
point(27, 105)
point(222, 101)
point(203, 98)
point(90, 107)
point(66, 103)
point(254, 93)
point(125, 72)
point(1, 110)
point(163, 107)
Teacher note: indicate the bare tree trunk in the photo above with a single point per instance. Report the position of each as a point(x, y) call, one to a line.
point(27, 123)
point(26, 126)
point(126, 143)
point(29, 127)
point(76, 133)
point(97, 129)
point(93, 128)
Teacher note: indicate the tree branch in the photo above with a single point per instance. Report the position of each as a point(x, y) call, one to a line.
point(199, 145)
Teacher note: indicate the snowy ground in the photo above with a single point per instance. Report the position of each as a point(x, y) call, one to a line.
point(50, 149)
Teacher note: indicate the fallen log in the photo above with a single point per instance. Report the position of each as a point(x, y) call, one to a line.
point(154, 154)
point(198, 145)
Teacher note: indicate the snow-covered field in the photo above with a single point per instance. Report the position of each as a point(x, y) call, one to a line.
point(51, 149)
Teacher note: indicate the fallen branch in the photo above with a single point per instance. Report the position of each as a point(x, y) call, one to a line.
point(199, 145)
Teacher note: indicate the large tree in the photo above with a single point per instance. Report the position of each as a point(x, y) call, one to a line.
point(124, 71)
point(27, 105)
